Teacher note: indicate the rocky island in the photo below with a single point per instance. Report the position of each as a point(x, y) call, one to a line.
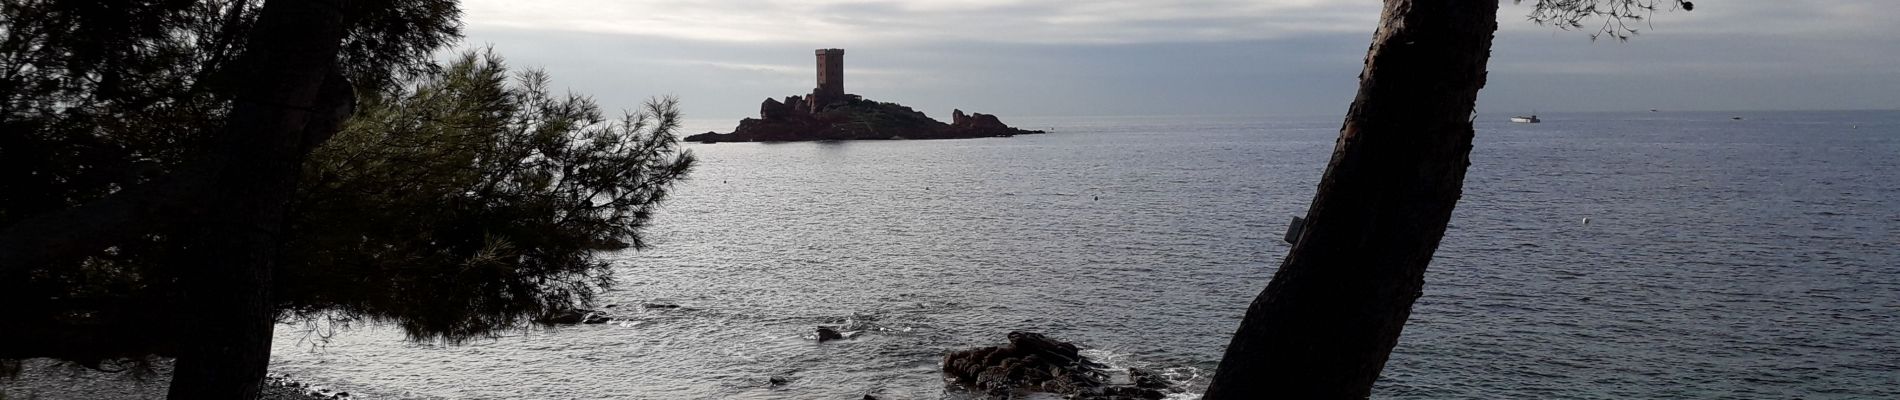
point(828, 113)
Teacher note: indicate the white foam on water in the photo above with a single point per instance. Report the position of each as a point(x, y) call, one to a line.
point(1118, 364)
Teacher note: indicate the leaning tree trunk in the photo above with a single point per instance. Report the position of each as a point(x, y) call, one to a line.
point(292, 99)
point(1325, 325)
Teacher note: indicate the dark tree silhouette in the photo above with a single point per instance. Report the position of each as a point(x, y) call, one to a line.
point(111, 114)
point(1325, 325)
point(293, 100)
point(176, 176)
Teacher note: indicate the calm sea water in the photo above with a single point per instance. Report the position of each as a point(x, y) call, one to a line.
point(1754, 258)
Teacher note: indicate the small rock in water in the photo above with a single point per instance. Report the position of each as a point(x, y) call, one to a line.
point(596, 318)
point(778, 381)
point(826, 334)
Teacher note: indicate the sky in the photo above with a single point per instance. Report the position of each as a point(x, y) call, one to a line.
point(1177, 57)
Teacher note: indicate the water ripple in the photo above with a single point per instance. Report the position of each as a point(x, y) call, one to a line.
point(1722, 259)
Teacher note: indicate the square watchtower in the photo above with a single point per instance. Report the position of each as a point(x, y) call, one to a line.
point(830, 73)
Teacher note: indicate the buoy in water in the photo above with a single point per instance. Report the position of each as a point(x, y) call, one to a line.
point(1586, 220)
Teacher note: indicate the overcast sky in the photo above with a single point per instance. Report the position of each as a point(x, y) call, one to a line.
point(1178, 57)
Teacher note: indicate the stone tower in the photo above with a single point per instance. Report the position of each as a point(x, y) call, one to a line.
point(830, 76)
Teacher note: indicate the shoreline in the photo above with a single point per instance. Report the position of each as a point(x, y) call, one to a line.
point(49, 379)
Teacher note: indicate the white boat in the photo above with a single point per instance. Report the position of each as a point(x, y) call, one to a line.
point(1526, 120)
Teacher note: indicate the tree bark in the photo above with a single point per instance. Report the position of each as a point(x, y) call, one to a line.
point(1327, 322)
point(288, 104)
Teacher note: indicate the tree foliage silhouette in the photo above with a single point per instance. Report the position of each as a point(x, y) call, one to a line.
point(155, 199)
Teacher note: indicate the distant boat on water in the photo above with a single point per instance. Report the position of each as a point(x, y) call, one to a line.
point(1526, 120)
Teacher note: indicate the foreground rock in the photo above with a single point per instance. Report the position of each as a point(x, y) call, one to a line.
point(854, 118)
point(1034, 362)
point(282, 387)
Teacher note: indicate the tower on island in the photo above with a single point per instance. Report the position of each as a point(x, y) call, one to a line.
point(830, 73)
point(830, 80)
point(830, 113)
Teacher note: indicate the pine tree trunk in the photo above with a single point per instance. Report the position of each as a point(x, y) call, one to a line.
point(286, 106)
point(1325, 325)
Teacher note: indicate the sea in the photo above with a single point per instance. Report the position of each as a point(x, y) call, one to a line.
point(1642, 255)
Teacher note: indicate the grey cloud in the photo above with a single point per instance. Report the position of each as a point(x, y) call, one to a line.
point(873, 21)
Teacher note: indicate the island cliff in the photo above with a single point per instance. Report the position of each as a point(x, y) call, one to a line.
point(828, 113)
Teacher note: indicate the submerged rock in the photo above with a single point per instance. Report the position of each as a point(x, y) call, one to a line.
point(1148, 379)
point(1035, 362)
point(778, 380)
point(574, 316)
point(564, 317)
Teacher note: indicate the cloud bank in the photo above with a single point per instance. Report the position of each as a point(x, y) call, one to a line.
point(1117, 57)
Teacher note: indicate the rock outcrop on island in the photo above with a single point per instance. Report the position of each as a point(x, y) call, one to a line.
point(1033, 362)
point(830, 113)
point(854, 118)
